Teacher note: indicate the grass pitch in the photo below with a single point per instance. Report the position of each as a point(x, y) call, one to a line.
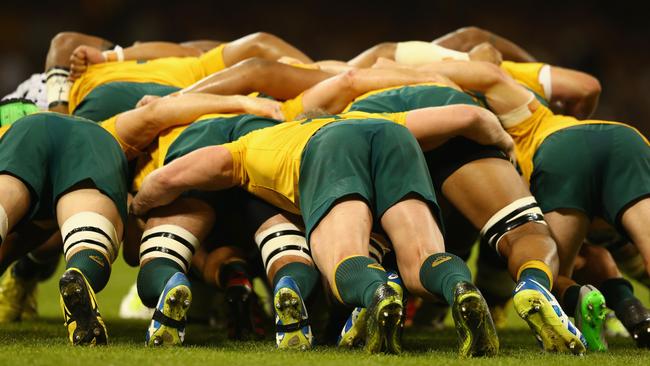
point(44, 342)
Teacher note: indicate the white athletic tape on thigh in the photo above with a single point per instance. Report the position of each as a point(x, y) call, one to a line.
point(57, 85)
point(89, 230)
point(418, 53)
point(378, 247)
point(517, 115)
point(281, 240)
point(171, 242)
point(545, 81)
point(506, 214)
point(4, 224)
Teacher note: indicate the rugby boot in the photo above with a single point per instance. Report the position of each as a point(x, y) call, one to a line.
point(590, 317)
point(16, 296)
point(132, 307)
point(167, 327)
point(385, 317)
point(477, 334)
point(613, 327)
point(546, 319)
point(292, 329)
point(241, 301)
point(82, 319)
point(636, 319)
point(353, 333)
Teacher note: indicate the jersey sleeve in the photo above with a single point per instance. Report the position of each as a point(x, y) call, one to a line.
point(212, 61)
point(528, 74)
point(292, 108)
point(237, 150)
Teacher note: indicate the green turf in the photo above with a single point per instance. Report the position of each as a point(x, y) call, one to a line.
point(44, 342)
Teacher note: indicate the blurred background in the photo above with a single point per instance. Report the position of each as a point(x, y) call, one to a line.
point(607, 39)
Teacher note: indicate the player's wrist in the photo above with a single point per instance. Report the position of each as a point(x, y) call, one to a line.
point(114, 55)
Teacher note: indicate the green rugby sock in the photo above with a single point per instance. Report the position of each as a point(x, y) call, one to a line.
point(570, 299)
point(304, 275)
point(94, 266)
point(153, 277)
point(356, 279)
point(441, 272)
point(615, 291)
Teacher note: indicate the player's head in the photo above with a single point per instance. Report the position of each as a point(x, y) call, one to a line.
point(12, 110)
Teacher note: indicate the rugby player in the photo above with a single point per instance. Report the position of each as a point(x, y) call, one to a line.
point(551, 150)
point(49, 171)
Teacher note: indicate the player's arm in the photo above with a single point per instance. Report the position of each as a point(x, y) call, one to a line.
point(276, 79)
point(138, 127)
point(464, 39)
point(204, 45)
point(435, 125)
point(84, 56)
point(575, 93)
point(335, 93)
point(502, 93)
point(208, 168)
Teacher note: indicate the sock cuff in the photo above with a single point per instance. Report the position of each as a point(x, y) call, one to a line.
point(348, 266)
point(440, 272)
point(536, 264)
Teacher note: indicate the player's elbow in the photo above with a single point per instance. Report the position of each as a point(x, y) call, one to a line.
point(472, 117)
point(152, 117)
point(591, 87)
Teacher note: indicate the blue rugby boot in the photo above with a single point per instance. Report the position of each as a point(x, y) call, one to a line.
point(545, 317)
point(167, 327)
point(292, 329)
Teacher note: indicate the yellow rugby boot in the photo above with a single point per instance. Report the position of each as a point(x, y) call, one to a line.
point(82, 319)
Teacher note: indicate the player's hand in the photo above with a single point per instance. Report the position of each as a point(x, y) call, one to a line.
point(153, 193)
point(263, 107)
point(81, 58)
point(146, 100)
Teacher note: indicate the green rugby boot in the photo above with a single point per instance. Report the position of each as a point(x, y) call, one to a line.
point(385, 321)
point(590, 317)
point(477, 334)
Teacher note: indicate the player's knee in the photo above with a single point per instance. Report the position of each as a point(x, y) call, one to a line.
point(169, 242)
point(280, 241)
point(523, 214)
point(89, 230)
